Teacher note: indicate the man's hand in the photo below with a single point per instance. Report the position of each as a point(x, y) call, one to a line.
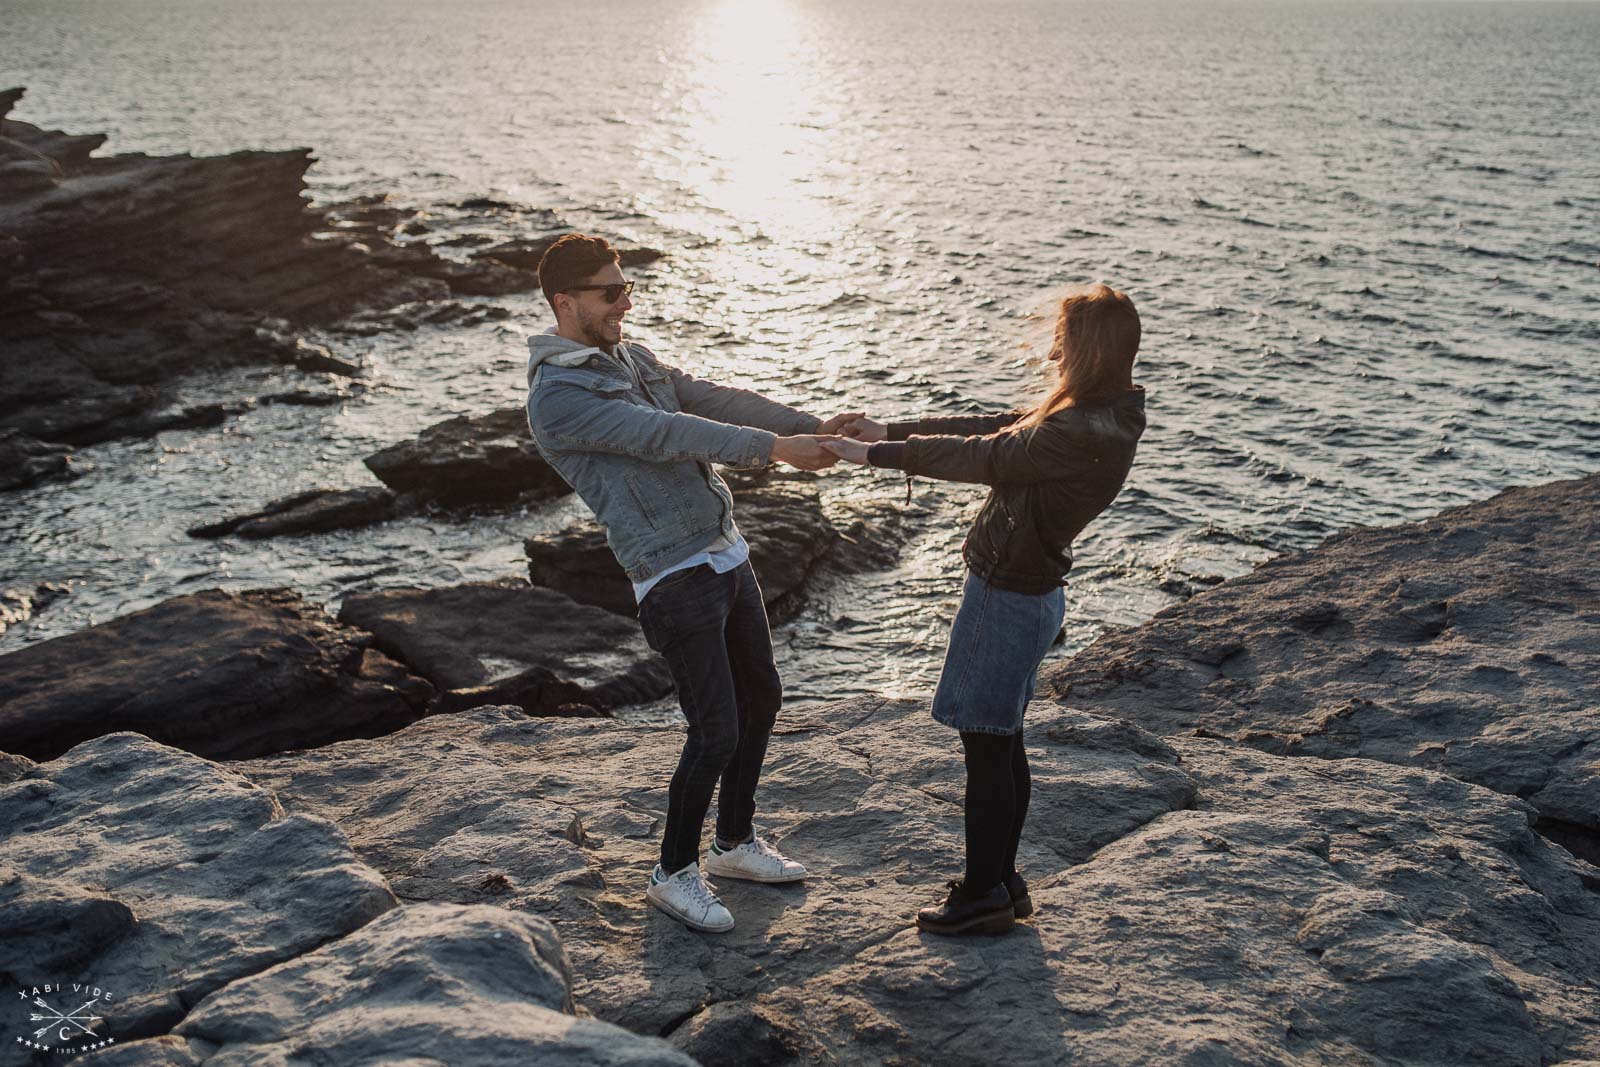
point(846, 449)
point(838, 422)
point(862, 428)
point(804, 451)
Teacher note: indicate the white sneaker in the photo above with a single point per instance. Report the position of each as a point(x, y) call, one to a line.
point(687, 897)
point(753, 861)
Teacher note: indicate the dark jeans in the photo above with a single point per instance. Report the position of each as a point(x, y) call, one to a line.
point(998, 790)
point(712, 629)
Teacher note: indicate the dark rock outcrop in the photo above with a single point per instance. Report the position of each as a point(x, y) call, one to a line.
point(415, 316)
point(470, 460)
point(25, 460)
point(225, 675)
point(1197, 901)
point(381, 226)
point(513, 642)
point(125, 272)
point(1469, 644)
point(120, 274)
point(525, 253)
point(792, 536)
point(314, 511)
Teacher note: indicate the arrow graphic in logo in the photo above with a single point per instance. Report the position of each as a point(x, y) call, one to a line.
point(75, 1018)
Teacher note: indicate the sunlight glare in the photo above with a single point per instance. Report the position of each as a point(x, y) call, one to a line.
point(756, 133)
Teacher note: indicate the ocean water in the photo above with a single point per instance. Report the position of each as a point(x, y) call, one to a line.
point(1364, 239)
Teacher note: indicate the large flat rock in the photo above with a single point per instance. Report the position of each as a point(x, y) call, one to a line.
point(162, 877)
point(1469, 643)
point(514, 642)
point(1199, 902)
point(313, 511)
point(224, 675)
point(469, 986)
point(211, 927)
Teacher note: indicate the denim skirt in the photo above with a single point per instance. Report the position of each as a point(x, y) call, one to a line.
point(996, 644)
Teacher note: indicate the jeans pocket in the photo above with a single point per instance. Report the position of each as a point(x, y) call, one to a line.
point(680, 603)
point(678, 578)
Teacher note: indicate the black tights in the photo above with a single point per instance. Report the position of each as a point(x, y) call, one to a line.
point(998, 788)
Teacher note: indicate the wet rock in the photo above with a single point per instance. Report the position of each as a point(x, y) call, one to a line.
point(392, 234)
point(525, 253)
point(516, 643)
point(1275, 910)
point(469, 460)
point(314, 511)
point(415, 316)
point(225, 675)
point(485, 277)
point(468, 986)
point(305, 398)
point(162, 877)
point(579, 563)
point(792, 536)
point(1469, 644)
point(120, 274)
point(317, 359)
point(25, 461)
point(148, 423)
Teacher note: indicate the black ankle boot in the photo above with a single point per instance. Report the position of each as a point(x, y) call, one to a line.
point(1021, 902)
point(963, 913)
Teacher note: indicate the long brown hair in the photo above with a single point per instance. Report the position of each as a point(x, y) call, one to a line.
point(1097, 338)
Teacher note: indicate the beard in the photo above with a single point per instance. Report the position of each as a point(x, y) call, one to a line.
point(594, 332)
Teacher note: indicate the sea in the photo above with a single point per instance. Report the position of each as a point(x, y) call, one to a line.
point(1364, 239)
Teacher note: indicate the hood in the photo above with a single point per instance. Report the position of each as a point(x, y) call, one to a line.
point(549, 347)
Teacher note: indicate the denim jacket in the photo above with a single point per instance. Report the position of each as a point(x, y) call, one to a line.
point(640, 453)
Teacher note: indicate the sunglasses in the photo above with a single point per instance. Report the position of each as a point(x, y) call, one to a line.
point(609, 293)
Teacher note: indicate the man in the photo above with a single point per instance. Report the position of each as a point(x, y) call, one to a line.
point(635, 438)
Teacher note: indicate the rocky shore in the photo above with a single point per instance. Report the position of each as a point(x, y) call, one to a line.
point(121, 275)
point(1335, 811)
point(1468, 644)
point(1344, 809)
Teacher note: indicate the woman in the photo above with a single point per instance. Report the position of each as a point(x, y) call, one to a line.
point(1053, 469)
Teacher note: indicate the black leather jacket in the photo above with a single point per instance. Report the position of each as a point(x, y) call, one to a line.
point(1049, 482)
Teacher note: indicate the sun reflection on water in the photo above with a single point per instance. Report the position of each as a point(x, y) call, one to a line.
point(752, 126)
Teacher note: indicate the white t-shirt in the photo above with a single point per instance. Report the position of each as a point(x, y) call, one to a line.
point(723, 554)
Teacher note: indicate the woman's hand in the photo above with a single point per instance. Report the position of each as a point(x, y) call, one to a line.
point(846, 449)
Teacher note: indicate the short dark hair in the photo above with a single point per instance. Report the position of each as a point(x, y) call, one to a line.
point(573, 260)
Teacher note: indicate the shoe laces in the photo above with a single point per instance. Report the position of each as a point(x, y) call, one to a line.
point(700, 890)
point(762, 848)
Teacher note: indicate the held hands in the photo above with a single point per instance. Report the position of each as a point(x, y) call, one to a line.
point(804, 451)
point(846, 449)
point(856, 425)
point(818, 451)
